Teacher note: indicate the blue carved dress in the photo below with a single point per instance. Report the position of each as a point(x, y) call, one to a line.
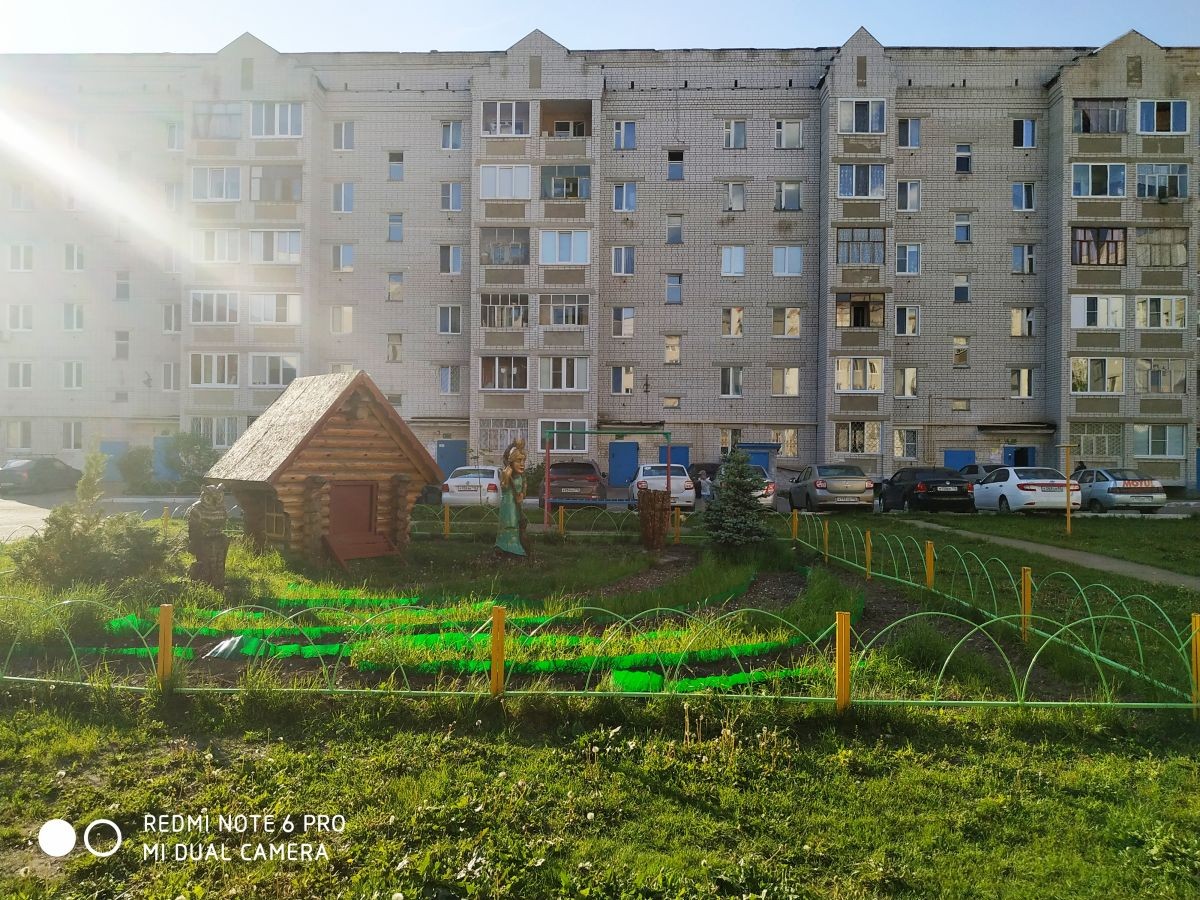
point(508, 538)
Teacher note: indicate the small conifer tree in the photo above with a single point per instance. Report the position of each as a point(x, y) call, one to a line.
point(734, 518)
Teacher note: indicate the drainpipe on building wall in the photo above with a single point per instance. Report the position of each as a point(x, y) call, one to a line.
point(928, 454)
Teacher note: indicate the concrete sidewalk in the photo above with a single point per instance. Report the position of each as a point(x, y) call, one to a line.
point(1080, 558)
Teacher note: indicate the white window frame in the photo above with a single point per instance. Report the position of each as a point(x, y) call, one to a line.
point(265, 308)
point(512, 123)
point(1109, 312)
point(216, 364)
point(908, 194)
point(571, 425)
point(505, 182)
point(1083, 191)
point(170, 377)
point(18, 435)
point(343, 197)
point(1028, 132)
point(214, 307)
point(449, 380)
point(1187, 115)
point(341, 319)
point(780, 316)
point(496, 365)
point(783, 130)
point(452, 134)
point(876, 111)
point(1147, 370)
point(276, 119)
point(852, 370)
point(564, 310)
point(902, 438)
point(72, 435)
point(787, 261)
point(733, 321)
point(1172, 310)
point(341, 258)
point(285, 247)
point(73, 375)
point(844, 437)
point(734, 134)
point(624, 260)
point(217, 245)
point(1024, 192)
point(908, 137)
point(624, 134)
point(1024, 259)
point(221, 431)
point(876, 189)
point(1153, 185)
point(72, 257)
point(216, 184)
point(625, 196)
point(278, 379)
point(732, 381)
point(22, 369)
point(20, 317)
point(570, 371)
point(623, 321)
point(786, 190)
point(1022, 321)
point(1144, 441)
point(73, 317)
point(343, 135)
point(906, 382)
point(735, 196)
point(908, 260)
point(733, 260)
point(20, 258)
point(172, 318)
point(905, 312)
point(1108, 367)
point(174, 135)
point(449, 318)
point(1023, 387)
point(550, 247)
point(452, 255)
point(621, 380)
point(785, 381)
point(963, 152)
point(451, 196)
point(395, 227)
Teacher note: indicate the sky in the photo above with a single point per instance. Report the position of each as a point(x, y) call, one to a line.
point(296, 26)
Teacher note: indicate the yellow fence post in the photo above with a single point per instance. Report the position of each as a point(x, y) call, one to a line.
point(445, 521)
point(929, 564)
point(166, 518)
point(678, 525)
point(166, 652)
point(1196, 665)
point(1026, 600)
point(497, 670)
point(867, 553)
point(825, 538)
point(562, 521)
point(842, 661)
point(795, 524)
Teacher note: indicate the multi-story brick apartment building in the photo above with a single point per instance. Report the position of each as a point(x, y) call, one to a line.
point(880, 254)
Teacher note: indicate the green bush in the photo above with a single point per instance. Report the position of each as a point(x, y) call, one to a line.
point(734, 519)
point(137, 470)
point(191, 456)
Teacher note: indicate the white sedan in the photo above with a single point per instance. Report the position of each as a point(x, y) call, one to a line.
point(654, 478)
point(472, 486)
point(1025, 489)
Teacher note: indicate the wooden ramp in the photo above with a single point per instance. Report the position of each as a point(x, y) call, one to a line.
point(345, 547)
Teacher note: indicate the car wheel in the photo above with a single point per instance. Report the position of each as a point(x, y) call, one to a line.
point(1095, 506)
point(1002, 507)
point(906, 505)
point(809, 504)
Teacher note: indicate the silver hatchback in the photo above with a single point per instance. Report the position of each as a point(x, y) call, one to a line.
point(831, 487)
point(1105, 489)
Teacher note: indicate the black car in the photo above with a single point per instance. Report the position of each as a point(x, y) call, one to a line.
point(32, 476)
point(928, 489)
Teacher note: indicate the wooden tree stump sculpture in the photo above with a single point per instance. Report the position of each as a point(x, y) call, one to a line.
point(654, 515)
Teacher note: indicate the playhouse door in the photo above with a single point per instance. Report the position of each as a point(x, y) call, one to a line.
point(352, 508)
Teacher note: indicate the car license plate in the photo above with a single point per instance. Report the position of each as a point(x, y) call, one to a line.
point(1052, 490)
point(947, 488)
point(570, 490)
point(468, 489)
point(1141, 498)
point(847, 499)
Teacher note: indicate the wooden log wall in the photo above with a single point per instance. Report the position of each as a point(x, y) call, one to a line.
point(254, 502)
point(400, 504)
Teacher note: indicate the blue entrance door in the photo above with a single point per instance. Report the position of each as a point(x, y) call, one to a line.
point(1020, 456)
point(622, 463)
point(451, 455)
point(956, 459)
point(162, 463)
point(680, 454)
point(114, 450)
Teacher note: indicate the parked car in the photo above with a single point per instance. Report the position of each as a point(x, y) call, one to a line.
point(577, 483)
point(765, 495)
point(653, 477)
point(833, 486)
point(1104, 489)
point(33, 476)
point(976, 472)
point(1025, 489)
point(928, 489)
point(472, 486)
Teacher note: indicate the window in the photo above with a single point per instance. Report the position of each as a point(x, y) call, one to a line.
point(450, 259)
point(20, 197)
point(732, 318)
point(272, 369)
point(174, 135)
point(216, 183)
point(276, 184)
point(787, 261)
point(1099, 116)
point(222, 431)
point(216, 121)
point(1098, 180)
point(785, 322)
point(861, 116)
point(735, 196)
point(503, 310)
point(674, 229)
point(450, 319)
point(622, 380)
point(962, 288)
point(220, 245)
point(1158, 440)
point(563, 309)
point(20, 317)
point(497, 434)
point(504, 373)
point(395, 168)
point(395, 227)
point(563, 373)
point(962, 228)
point(735, 134)
point(506, 118)
point(733, 261)
point(624, 135)
point(1098, 246)
point(625, 196)
point(452, 135)
point(858, 310)
point(861, 180)
point(274, 309)
point(214, 369)
point(789, 134)
point(173, 193)
point(1024, 132)
point(1162, 181)
point(395, 287)
point(72, 435)
point(908, 196)
point(278, 247)
point(1023, 259)
point(395, 344)
point(1162, 117)
point(785, 382)
point(271, 119)
point(20, 374)
point(671, 349)
point(960, 406)
point(1020, 383)
point(170, 376)
point(962, 158)
point(1161, 246)
point(1162, 376)
point(72, 317)
point(674, 287)
point(565, 248)
point(566, 182)
point(1023, 196)
point(908, 320)
point(908, 259)
point(905, 382)
point(1097, 312)
point(730, 438)
point(1097, 375)
point(341, 319)
point(172, 318)
point(731, 381)
point(856, 437)
point(342, 257)
point(343, 197)
point(122, 291)
point(20, 258)
point(860, 246)
point(452, 196)
point(623, 260)
point(1162, 312)
point(961, 345)
point(787, 196)
point(674, 165)
point(504, 246)
point(859, 374)
point(1098, 439)
point(1021, 321)
point(786, 438)
point(343, 135)
point(904, 443)
point(562, 440)
point(671, 402)
point(73, 258)
point(622, 321)
point(449, 379)
point(909, 133)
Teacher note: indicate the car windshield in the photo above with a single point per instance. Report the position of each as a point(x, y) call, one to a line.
point(473, 473)
point(990, 467)
point(1127, 475)
point(15, 463)
point(557, 469)
point(661, 471)
point(841, 471)
point(938, 473)
point(1038, 474)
